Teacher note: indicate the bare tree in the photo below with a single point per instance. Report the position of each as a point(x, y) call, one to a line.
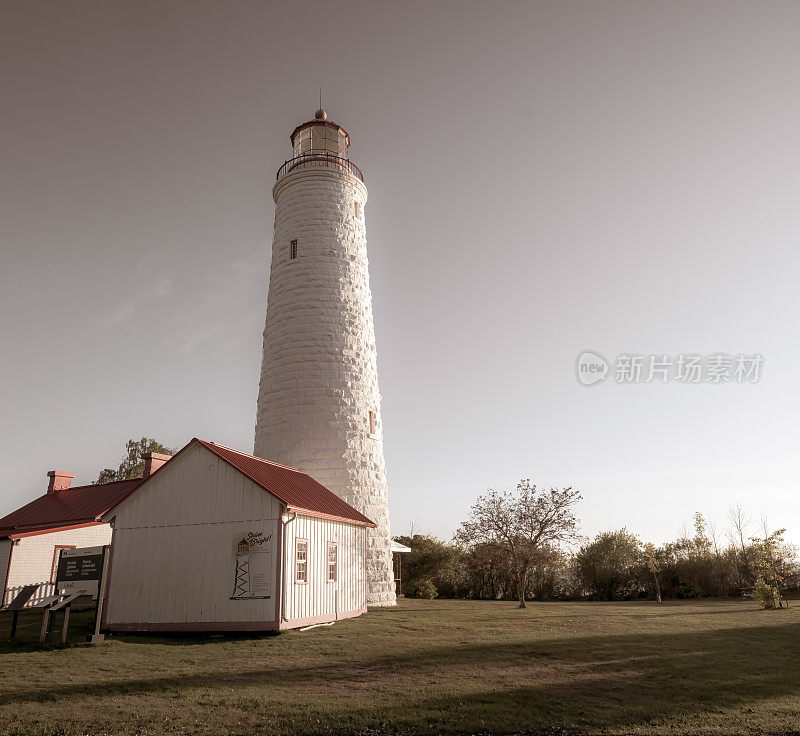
point(739, 522)
point(715, 538)
point(525, 523)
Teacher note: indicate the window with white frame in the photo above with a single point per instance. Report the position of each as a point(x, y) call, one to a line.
point(373, 423)
point(359, 208)
point(333, 563)
point(293, 250)
point(301, 561)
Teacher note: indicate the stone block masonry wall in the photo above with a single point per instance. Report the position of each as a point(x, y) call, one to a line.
point(319, 377)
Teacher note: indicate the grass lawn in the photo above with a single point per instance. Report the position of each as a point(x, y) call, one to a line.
point(448, 667)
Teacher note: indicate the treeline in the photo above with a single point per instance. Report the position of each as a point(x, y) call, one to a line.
point(614, 566)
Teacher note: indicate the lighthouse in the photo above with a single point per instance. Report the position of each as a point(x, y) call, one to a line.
point(318, 402)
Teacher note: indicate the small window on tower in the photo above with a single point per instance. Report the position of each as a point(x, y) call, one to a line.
point(293, 250)
point(373, 424)
point(359, 210)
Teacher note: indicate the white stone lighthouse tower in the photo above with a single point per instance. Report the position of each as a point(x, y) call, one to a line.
point(318, 402)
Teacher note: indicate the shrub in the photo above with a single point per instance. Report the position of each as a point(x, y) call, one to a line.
point(607, 566)
point(766, 595)
point(421, 589)
point(430, 560)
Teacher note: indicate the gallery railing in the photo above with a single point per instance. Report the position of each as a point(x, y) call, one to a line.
point(306, 161)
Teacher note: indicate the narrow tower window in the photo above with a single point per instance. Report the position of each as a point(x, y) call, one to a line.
point(358, 208)
point(332, 563)
point(373, 424)
point(301, 560)
point(293, 250)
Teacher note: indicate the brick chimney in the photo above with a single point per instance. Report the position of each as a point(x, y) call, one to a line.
point(153, 461)
point(59, 480)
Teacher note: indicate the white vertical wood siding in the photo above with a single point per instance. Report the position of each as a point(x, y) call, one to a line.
point(175, 540)
point(317, 600)
point(32, 557)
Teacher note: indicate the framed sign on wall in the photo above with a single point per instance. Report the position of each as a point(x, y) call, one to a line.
point(253, 565)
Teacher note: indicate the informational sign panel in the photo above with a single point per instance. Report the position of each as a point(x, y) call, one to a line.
point(253, 565)
point(80, 569)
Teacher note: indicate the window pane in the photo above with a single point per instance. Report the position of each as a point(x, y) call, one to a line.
point(301, 561)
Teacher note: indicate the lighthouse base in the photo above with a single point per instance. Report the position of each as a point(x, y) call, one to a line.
point(381, 594)
point(380, 572)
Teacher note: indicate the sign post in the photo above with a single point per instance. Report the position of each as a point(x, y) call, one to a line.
point(18, 604)
point(81, 572)
point(96, 636)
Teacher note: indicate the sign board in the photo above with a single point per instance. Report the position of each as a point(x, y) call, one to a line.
point(253, 565)
point(22, 598)
point(80, 569)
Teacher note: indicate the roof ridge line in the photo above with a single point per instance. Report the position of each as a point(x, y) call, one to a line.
point(75, 488)
point(97, 485)
point(255, 457)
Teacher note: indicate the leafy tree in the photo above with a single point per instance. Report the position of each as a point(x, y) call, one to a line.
point(775, 562)
point(429, 565)
point(525, 523)
point(653, 565)
point(607, 566)
point(488, 573)
point(132, 465)
point(695, 565)
point(701, 541)
point(551, 577)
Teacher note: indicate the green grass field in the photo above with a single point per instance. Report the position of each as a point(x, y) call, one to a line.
point(426, 667)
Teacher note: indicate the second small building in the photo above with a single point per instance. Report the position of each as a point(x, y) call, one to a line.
point(218, 540)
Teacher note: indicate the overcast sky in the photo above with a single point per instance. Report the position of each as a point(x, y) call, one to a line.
point(544, 179)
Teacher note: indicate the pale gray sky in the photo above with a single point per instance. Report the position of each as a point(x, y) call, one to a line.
point(544, 178)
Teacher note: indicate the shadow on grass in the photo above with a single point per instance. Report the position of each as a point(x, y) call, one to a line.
point(82, 623)
point(618, 681)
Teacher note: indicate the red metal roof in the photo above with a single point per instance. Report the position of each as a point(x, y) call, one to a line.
point(317, 121)
point(87, 504)
point(72, 506)
point(298, 490)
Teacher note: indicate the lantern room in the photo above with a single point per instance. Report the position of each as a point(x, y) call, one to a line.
point(320, 137)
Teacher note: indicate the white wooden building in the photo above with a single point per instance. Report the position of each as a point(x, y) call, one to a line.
point(218, 540)
point(65, 517)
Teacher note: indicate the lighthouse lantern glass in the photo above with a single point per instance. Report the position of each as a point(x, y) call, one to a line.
point(322, 139)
